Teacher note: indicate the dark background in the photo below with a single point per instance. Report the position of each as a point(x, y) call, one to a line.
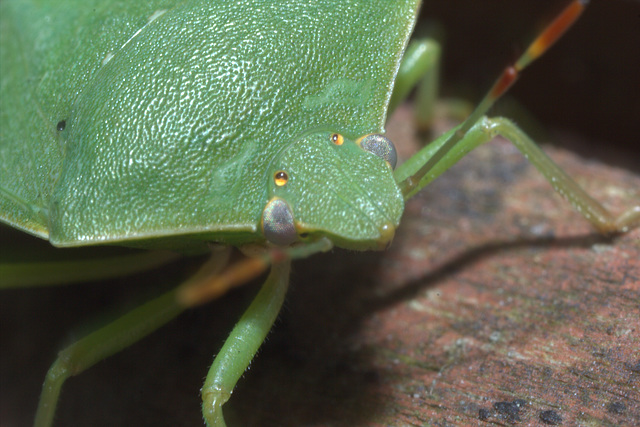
point(588, 83)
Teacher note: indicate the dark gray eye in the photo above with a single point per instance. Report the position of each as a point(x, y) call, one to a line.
point(381, 146)
point(277, 223)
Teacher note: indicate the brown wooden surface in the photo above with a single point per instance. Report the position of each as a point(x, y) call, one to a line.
point(495, 304)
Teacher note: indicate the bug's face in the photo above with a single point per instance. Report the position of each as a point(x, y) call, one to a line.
point(326, 184)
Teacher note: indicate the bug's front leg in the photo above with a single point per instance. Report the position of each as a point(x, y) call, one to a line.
point(247, 336)
point(243, 343)
point(487, 129)
point(477, 129)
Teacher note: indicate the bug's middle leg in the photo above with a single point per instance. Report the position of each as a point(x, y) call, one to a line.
point(101, 344)
point(114, 337)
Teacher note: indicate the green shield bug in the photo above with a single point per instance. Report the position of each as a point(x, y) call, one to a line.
point(185, 125)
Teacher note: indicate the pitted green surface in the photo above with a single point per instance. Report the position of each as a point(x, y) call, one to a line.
point(174, 110)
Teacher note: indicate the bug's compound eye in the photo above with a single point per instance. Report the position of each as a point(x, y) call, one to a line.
point(337, 139)
point(280, 178)
point(277, 223)
point(61, 125)
point(381, 146)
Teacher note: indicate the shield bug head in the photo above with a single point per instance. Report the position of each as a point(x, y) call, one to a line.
point(334, 187)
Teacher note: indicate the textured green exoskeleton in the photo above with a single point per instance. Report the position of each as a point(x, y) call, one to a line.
point(170, 124)
point(167, 119)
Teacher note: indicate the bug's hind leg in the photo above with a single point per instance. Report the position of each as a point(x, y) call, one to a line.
point(45, 265)
point(420, 67)
point(488, 128)
point(420, 70)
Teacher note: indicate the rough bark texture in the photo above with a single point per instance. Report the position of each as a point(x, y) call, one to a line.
point(496, 303)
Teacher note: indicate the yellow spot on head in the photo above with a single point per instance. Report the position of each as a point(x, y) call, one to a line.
point(280, 178)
